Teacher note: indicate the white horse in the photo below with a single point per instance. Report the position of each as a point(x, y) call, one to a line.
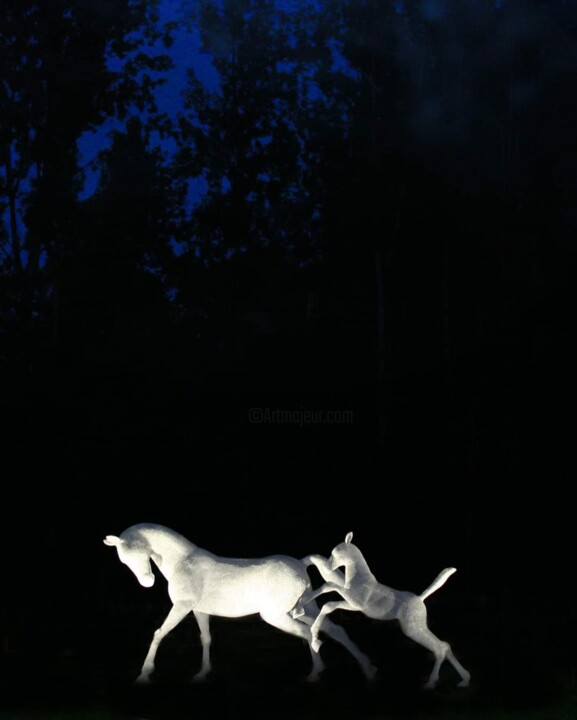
point(205, 584)
point(361, 591)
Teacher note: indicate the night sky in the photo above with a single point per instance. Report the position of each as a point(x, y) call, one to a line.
point(269, 273)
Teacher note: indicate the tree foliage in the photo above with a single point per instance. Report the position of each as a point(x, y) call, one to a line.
point(56, 84)
point(340, 197)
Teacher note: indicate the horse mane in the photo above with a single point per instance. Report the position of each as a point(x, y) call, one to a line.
point(148, 532)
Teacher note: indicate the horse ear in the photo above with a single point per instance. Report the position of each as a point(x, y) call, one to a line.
point(349, 537)
point(112, 540)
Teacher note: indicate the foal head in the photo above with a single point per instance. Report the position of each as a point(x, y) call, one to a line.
point(345, 553)
point(135, 553)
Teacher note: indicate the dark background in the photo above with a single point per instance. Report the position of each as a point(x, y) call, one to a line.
point(362, 208)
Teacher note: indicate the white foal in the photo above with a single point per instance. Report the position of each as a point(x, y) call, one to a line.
point(205, 584)
point(362, 592)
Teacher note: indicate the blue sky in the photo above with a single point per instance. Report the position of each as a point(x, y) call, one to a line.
point(186, 54)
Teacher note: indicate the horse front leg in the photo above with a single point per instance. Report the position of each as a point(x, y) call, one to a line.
point(203, 625)
point(177, 613)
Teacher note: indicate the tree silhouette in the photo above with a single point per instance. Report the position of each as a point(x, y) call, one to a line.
point(114, 302)
point(258, 139)
point(247, 136)
point(56, 84)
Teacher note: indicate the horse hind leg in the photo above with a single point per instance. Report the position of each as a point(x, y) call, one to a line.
point(300, 609)
point(283, 621)
point(338, 633)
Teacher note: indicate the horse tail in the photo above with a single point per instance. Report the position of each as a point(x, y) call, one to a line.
point(439, 581)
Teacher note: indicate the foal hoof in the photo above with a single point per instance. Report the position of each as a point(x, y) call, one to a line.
point(430, 685)
point(316, 644)
point(143, 679)
point(297, 612)
point(464, 683)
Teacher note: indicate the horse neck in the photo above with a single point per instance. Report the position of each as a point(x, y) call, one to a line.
point(168, 548)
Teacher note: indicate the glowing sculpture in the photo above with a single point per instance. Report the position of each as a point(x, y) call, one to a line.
point(362, 592)
point(205, 584)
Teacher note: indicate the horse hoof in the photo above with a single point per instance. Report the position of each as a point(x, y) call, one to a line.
point(464, 684)
point(143, 679)
point(431, 685)
point(316, 645)
point(199, 677)
point(296, 613)
point(371, 672)
point(313, 677)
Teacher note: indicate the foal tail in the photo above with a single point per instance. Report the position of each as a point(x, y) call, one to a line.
point(439, 581)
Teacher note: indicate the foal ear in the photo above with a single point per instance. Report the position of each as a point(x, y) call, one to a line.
point(112, 540)
point(349, 537)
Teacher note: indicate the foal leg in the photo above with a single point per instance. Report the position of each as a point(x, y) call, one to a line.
point(177, 613)
point(334, 578)
point(283, 621)
point(465, 674)
point(326, 609)
point(413, 621)
point(323, 565)
point(203, 624)
point(309, 595)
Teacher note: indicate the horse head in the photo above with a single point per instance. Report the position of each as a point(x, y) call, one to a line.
point(136, 555)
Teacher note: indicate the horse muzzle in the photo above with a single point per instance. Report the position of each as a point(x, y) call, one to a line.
point(146, 580)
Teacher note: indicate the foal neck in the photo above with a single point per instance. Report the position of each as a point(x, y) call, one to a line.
point(356, 567)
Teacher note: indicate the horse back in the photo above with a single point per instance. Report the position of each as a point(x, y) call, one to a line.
point(234, 587)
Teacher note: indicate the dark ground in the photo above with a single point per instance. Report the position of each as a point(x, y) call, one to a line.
point(84, 666)
point(76, 624)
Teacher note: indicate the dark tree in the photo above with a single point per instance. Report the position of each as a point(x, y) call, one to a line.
point(257, 140)
point(56, 84)
point(114, 307)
